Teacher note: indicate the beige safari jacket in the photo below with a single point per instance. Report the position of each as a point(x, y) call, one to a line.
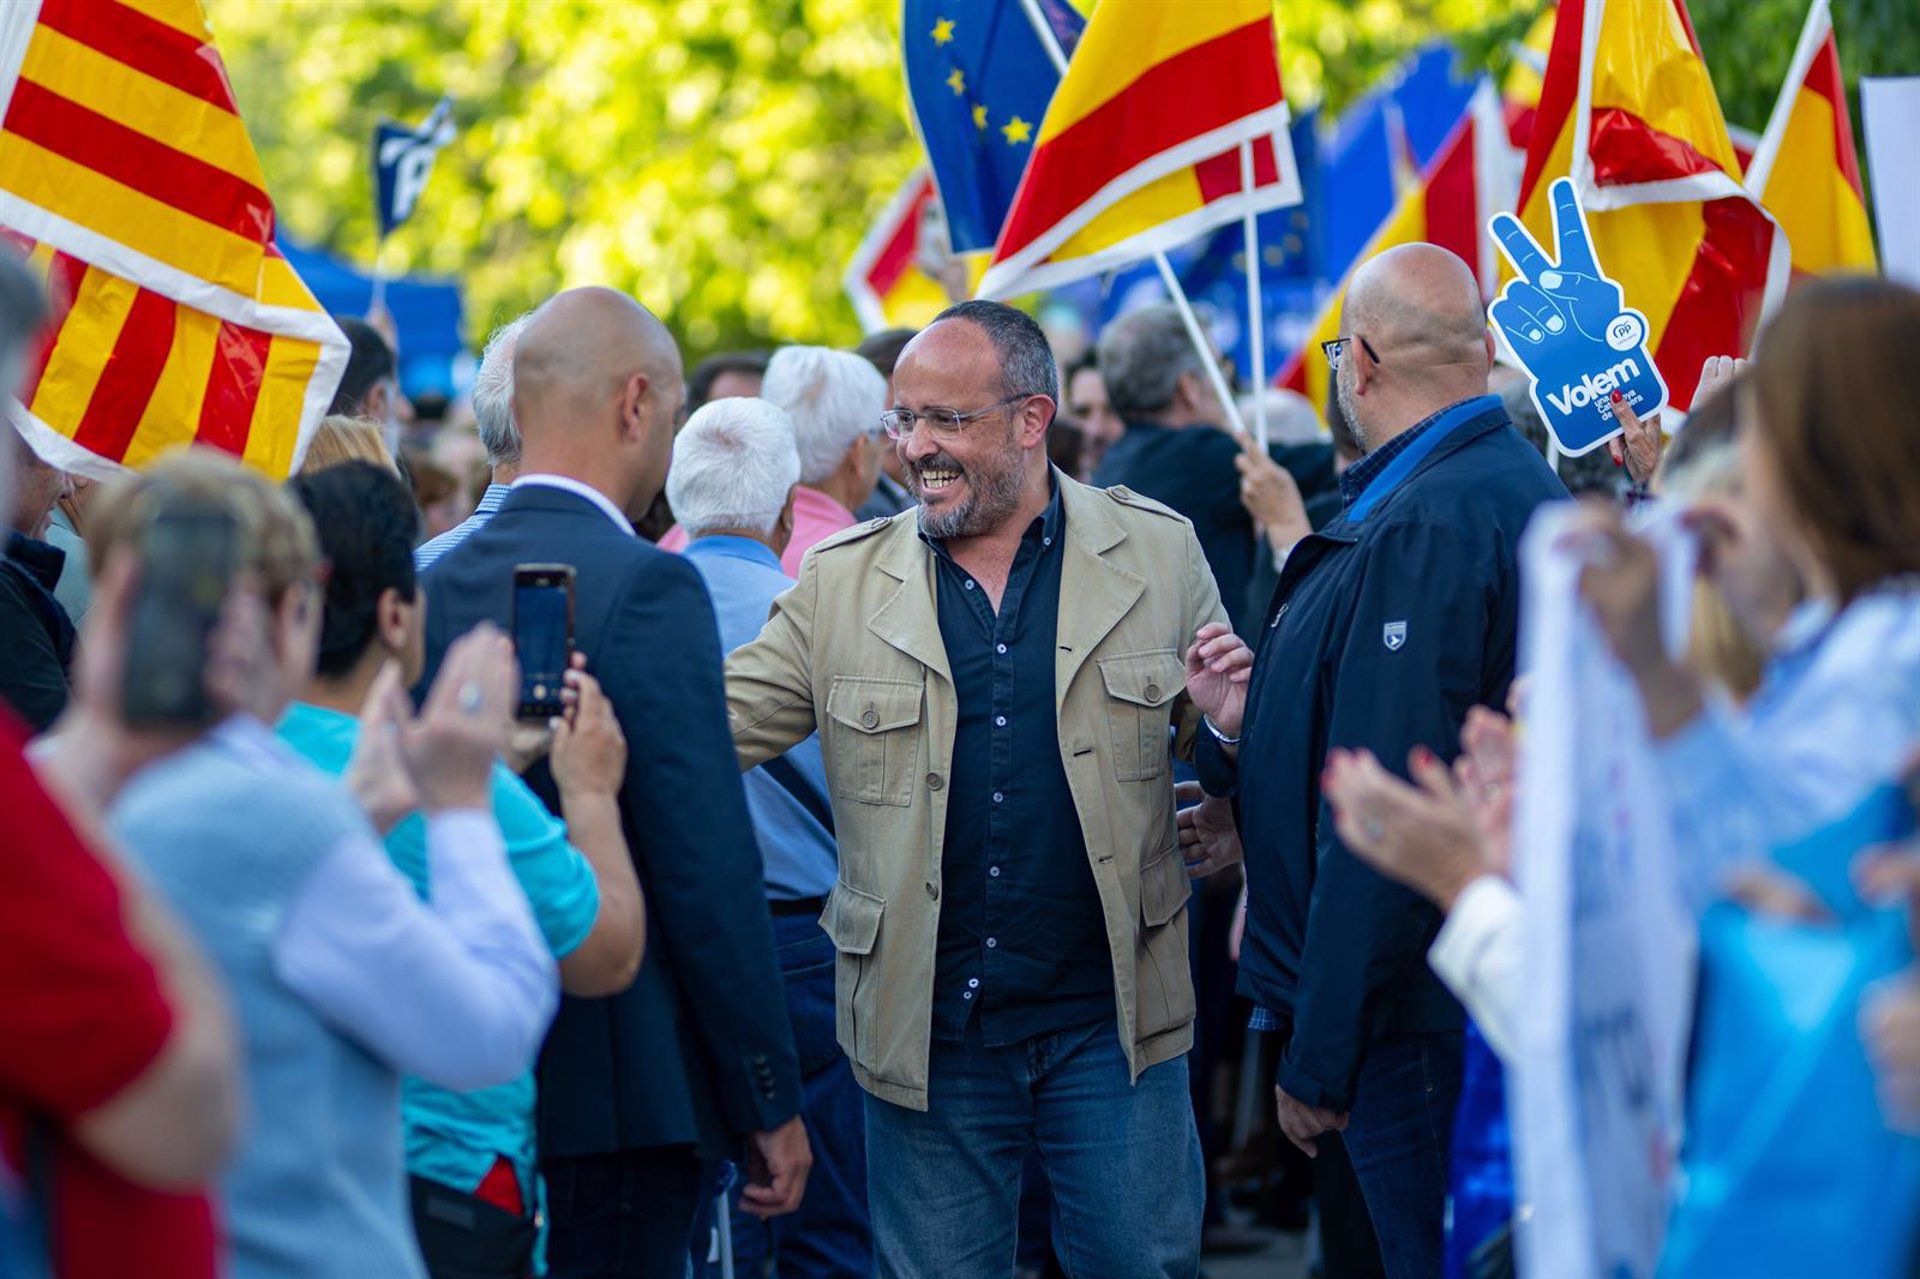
point(855, 650)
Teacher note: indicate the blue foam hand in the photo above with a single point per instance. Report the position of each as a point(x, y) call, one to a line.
point(1566, 322)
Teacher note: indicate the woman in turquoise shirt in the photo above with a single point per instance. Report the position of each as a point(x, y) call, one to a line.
point(475, 1149)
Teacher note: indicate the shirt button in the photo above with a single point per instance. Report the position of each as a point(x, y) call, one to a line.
point(1152, 691)
point(1046, 541)
point(999, 798)
point(870, 717)
point(993, 871)
point(973, 983)
point(999, 721)
point(969, 583)
point(992, 942)
point(999, 648)
point(934, 782)
point(966, 994)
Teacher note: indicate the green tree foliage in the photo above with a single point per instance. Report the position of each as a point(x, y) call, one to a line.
point(720, 159)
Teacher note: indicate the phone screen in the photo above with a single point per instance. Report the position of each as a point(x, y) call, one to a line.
point(542, 636)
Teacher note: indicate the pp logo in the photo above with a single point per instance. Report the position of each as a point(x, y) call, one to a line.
point(1567, 323)
point(1394, 636)
point(1626, 332)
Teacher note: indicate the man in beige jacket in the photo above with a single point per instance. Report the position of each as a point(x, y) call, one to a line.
point(999, 679)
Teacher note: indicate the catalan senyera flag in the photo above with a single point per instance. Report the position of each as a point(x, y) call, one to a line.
point(1140, 147)
point(885, 280)
point(1805, 170)
point(128, 177)
point(1471, 177)
point(1628, 111)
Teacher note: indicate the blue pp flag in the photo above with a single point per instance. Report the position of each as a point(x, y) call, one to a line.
point(980, 79)
point(403, 159)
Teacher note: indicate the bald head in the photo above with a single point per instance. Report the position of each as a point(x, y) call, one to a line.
point(1421, 301)
point(577, 354)
point(597, 387)
point(1426, 342)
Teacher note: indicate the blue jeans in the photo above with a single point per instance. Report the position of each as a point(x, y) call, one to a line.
point(1123, 1156)
point(828, 1236)
point(1398, 1134)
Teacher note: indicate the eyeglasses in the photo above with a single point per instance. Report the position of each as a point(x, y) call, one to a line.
point(944, 423)
point(1334, 348)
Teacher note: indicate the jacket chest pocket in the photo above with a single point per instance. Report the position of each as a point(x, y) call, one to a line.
point(874, 745)
point(1140, 691)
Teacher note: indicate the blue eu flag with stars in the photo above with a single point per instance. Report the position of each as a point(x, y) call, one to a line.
point(980, 80)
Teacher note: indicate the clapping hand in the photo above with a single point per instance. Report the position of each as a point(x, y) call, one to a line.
point(451, 747)
point(1423, 835)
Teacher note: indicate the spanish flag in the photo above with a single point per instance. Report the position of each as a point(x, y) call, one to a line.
point(1805, 170)
point(128, 177)
point(1140, 149)
point(1628, 111)
point(885, 280)
point(1470, 178)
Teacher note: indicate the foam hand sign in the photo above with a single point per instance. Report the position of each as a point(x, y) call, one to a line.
point(1566, 322)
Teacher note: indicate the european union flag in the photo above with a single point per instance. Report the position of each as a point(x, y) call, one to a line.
point(980, 80)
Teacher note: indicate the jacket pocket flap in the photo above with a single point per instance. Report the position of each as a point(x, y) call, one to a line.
point(1164, 888)
point(852, 919)
point(1145, 679)
point(874, 705)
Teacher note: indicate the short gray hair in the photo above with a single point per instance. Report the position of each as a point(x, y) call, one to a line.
point(1027, 366)
point(493, 394)
point(834, 398)
point(734, 463)
point(1142, 355)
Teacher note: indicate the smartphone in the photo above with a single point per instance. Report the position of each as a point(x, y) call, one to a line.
point(187, 561)
point(542, 635)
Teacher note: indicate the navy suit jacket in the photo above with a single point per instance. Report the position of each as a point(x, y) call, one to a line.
point(699, 1048)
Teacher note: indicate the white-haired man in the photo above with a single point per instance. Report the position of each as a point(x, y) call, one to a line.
point(834, 399)
point(493, 414)
point(733, 484)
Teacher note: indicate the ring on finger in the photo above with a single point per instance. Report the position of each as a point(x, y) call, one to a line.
point(471, 699)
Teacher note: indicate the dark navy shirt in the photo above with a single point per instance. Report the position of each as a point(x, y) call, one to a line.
point(1023, 940)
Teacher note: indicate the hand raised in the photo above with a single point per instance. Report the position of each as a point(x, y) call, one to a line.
point(589, 751)
point(377, 774)
point(1219, 664)
point(450, 749)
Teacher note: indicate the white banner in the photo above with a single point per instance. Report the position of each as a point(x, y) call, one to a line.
point(1890, 114)
point(1596, 1091)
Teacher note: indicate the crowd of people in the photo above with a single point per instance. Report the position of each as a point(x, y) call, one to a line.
point(989, 794)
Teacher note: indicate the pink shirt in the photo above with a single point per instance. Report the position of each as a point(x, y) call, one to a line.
point(816, 517)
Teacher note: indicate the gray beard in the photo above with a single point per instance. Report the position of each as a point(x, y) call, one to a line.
point(991, 497)
point(1350, 410)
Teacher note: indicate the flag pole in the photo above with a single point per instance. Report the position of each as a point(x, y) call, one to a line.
point(379, 299)
point(1195, 333)
point(1256, 312)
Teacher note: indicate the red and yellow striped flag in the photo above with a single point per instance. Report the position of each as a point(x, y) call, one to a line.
point(885, 280)
point(1628, 111)
point(1141, 146)
point(127, 173)
point(1469, 179)
point(1805, 170)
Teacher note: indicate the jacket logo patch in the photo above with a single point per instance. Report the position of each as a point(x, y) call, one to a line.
point(1394, 636)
